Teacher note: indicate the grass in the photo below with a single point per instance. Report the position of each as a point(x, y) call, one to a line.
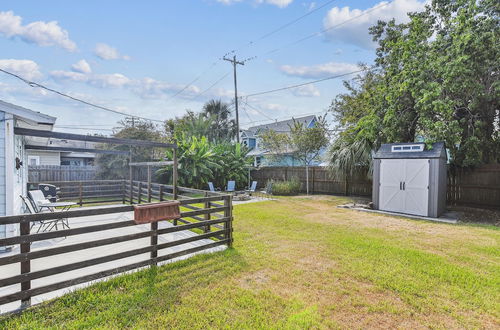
point(303, 263)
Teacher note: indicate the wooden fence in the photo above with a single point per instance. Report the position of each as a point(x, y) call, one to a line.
point(88, 192)
point(478, 187)
point(320, 181)
point(210, 215)
point(42, 173)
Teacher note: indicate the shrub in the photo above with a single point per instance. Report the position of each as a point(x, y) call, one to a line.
point(286, 188)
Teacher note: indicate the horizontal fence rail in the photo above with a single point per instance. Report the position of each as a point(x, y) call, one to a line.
point(477, 187)
point(117, 243)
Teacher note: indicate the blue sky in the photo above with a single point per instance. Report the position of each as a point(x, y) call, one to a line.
point(134, 56)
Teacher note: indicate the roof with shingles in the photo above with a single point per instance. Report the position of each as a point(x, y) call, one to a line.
point(279, 126)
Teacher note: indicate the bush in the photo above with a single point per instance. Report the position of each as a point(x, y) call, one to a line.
point(286, 188)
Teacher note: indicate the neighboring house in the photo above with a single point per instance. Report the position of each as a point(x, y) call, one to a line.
point(47, 157)
point(13, 158)
point(250, 138)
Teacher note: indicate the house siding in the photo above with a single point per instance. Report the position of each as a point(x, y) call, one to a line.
point(46, 157)
point(2, 171)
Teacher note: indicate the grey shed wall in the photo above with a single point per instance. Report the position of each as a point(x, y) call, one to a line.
point(437, 174)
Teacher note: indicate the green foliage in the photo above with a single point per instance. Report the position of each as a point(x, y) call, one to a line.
point(435, 78)
point(112, 167)
point(201, 161)
point(347, 158)
point(304, 143)
point(213, 122)
point(286, 188)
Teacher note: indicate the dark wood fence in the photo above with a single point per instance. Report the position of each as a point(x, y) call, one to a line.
point(210, 216)
point(320, 181)
point(42, 173)
point(88, 192)
point(478, 187)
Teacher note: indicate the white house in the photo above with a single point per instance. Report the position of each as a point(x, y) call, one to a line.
point(13, 158)
point(44, 156)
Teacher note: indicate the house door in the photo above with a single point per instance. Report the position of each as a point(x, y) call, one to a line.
point(404, 186)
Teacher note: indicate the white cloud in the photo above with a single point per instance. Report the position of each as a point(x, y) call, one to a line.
point(69, 75)
point(106, 52)
point(110, 80)
point(152, 88)
point(81, 66)
point(278, 3)
point(115, 80)
point(356, 31)
point(25, 68)
point(319, 71)
point(306, 91)
point(39, 32)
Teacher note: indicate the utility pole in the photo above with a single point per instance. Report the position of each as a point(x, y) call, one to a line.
point(235, 62)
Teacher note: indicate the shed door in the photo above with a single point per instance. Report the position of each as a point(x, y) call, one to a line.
point(416, 186)
point(404, 186)
point(391, 175)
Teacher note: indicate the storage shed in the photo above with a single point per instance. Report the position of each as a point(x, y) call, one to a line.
point(410, 178)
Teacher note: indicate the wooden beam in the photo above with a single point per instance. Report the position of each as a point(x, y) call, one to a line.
point(68, 149)
point(91, 138)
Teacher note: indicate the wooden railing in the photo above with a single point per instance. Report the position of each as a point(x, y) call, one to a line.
point(206, 217)
point(89, 192)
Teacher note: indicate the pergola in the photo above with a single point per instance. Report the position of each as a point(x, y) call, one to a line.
point(109, 140)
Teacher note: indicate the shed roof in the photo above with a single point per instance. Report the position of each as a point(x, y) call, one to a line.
point(437, 150)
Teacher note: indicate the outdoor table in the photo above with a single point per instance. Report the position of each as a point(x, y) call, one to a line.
point(51, 206)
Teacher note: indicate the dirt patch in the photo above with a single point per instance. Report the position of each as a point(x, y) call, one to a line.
point(475, 215)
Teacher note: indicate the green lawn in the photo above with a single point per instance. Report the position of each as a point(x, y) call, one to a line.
point(303, 263)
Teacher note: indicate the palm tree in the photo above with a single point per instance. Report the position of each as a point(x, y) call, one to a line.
point(223, 128)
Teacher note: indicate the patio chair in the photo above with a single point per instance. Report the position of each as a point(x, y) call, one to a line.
point(45, 225)
point(212, 188)
point(38, 199)
point(252, 188)
point(269, 189)
point(231, 186)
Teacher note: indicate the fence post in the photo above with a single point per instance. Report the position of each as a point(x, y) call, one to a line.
point(228, 225)
point(149, 184)
point(154, 243)
point(207, 215)
point(24, 229)
point(161, 193)
point(313, 178)
point(80, 188)
point(139, 193)
point(124, 193)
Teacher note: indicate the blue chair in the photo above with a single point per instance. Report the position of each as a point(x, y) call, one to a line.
point(231, 186)
point(252, 189)
point(211, 187)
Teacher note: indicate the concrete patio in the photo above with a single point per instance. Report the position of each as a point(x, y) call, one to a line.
point(58, 260)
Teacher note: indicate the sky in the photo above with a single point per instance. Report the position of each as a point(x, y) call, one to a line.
point(156, 59)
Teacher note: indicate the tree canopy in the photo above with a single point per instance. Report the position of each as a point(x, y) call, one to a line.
point(435, 78)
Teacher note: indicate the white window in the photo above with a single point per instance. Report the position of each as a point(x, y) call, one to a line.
point(407, 148)
point(33, 160)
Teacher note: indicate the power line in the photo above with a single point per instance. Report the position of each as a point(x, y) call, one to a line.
point(258, 110)
point(34, 84)
point(304, 84)
point(315, 34)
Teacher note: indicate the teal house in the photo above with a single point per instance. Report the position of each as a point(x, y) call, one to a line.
point(250, 138)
